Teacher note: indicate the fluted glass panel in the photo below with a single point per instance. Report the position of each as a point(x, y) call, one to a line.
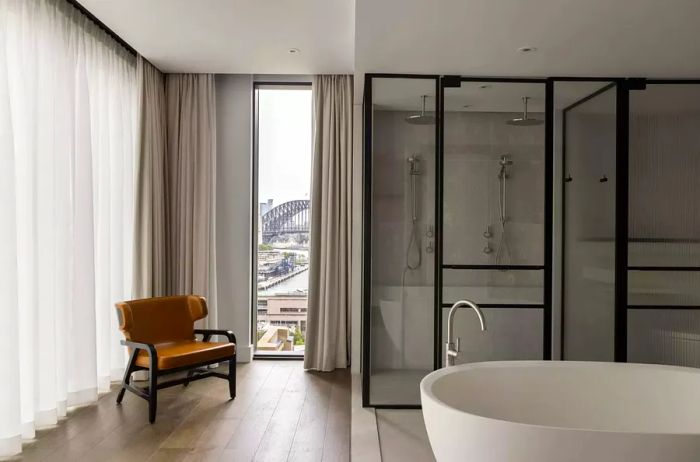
point(664, 168)
point(664, 336)
point(663, 288)
point(664, 224)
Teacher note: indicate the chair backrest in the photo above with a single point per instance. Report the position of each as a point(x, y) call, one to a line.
point(161, 319)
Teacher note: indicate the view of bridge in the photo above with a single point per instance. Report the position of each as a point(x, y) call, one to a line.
point(283, 279)
point(290, 217)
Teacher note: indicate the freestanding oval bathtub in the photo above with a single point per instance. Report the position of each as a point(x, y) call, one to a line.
point(555, 411)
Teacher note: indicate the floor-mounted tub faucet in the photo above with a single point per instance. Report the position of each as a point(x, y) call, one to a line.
point(452, 347)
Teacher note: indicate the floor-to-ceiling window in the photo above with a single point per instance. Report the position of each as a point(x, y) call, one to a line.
point(281, 202)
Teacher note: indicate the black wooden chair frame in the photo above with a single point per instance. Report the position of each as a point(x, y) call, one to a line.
point(194, 371)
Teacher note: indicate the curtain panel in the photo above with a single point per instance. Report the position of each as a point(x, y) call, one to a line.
point(150, 249)
point(67, 143)
point(327, 337)
point(191, 186)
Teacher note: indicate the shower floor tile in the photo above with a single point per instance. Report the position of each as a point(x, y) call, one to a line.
point(396, 386)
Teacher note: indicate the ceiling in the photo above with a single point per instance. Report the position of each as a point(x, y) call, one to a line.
point(652, 38)
point(235, 36)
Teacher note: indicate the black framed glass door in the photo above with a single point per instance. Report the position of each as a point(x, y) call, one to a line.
point(586, 145)
point(495, 214)
point(400, 122)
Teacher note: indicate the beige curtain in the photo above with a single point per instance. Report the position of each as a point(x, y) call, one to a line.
point(150, 274)
point(191, 156)
point(327, 336)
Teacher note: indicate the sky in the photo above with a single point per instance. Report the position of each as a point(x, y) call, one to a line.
point(284, 144)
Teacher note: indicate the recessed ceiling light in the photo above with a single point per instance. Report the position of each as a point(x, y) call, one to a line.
point(294, 50)
point(466, 106)
point(484, 86)
point(527, 49)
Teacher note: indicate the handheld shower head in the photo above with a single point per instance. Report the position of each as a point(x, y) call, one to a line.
point(505, 161)
point(414, 165)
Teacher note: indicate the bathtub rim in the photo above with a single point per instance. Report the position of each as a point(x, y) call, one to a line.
point(430, 379)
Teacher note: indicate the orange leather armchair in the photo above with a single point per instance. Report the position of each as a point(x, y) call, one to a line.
point(162, 339)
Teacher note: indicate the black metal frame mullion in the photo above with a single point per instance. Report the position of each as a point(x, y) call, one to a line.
point(621, 218)
point(366, 240)
point(548, 217)
point(495, 267)
point(439, 192)
point(534, 306)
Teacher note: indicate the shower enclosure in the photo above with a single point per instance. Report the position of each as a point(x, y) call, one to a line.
point(565, 207)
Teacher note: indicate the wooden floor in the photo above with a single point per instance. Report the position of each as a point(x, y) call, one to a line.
point(280, 413)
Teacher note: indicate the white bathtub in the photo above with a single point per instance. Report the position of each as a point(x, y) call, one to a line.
point(555, 411)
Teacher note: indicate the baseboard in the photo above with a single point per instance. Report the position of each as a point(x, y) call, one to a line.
point(244, 353)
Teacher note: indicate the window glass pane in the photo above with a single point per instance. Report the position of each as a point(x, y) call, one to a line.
point(284, 169)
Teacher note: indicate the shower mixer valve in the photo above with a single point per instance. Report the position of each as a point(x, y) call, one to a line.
point(487, 235)
point(429, 233)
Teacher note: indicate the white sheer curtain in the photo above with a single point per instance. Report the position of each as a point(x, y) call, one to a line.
point(67, 127)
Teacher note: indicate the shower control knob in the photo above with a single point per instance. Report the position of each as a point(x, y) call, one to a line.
point(487, 250)
point(429, 247)
point(488, 233)
point(429, 232)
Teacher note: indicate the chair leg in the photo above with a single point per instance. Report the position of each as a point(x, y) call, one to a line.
point(190, 374)
point(152, 392)
point(127, 376)
point(232, 377)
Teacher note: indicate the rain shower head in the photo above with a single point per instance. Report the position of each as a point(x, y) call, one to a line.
point(525, 121)
point(422, 118)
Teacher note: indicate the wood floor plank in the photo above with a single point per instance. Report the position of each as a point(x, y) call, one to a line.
point(280, 413)
point(279, 435)
point(245, 441)
point(310, 432)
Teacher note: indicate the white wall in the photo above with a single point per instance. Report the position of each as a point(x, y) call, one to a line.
point(234, 95)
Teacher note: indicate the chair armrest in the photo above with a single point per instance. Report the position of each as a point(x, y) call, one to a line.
point(208, 333)
point(148, 347)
